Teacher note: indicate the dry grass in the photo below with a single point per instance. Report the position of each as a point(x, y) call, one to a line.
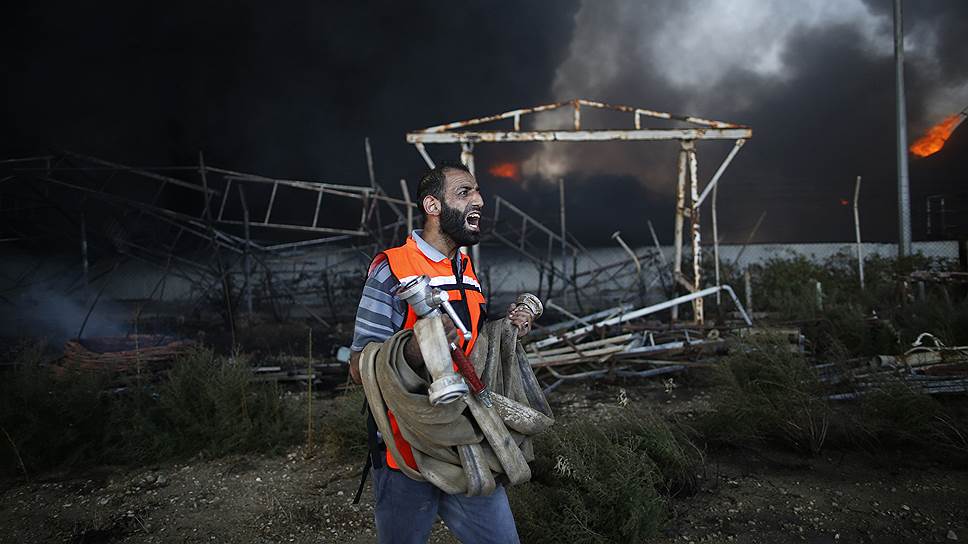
point(605, 481)
point(768, 393)
point(204, 404)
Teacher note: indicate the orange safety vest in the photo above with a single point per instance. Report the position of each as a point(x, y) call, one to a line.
point(406, 262)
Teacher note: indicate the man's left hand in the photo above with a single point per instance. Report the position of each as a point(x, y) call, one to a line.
point(520, 317)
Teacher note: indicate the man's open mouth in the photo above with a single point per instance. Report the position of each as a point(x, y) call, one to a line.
point(473, 221)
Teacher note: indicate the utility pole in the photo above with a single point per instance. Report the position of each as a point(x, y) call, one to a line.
point(860, 248)
point(564, 233)
point(903, 189)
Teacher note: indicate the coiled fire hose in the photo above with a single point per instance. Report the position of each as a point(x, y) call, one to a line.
point(459, 444)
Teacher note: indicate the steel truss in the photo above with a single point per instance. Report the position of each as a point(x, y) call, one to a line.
point(224, 212)
point(469, 132)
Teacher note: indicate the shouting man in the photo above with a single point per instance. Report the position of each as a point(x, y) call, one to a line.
point(450, 201)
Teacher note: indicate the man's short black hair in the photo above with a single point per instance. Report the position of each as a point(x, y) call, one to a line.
point(433, 183)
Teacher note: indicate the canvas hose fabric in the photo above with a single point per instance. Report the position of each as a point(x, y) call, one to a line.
point(461, 449)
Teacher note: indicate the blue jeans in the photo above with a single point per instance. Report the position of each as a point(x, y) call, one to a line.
point(407, 509)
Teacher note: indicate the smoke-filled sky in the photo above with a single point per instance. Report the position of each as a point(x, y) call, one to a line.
point(291, 89)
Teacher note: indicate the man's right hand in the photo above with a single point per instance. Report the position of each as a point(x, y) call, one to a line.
point(454, 336)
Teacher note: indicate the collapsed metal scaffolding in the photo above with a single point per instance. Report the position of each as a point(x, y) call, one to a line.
point(467, 134)
point(230, 234)
point(207, 226)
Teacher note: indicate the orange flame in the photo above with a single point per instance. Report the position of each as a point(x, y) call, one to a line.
point(507, 170)
point(934, 140)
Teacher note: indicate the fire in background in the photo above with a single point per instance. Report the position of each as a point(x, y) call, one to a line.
point(507, 170)
point(934, 139)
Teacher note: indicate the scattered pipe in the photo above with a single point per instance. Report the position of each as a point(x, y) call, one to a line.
point(860, 249)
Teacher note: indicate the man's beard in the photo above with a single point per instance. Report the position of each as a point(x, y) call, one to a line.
point(453, 223)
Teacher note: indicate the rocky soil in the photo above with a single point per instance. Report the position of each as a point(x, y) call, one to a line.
point(286, 498)
point(747, 496)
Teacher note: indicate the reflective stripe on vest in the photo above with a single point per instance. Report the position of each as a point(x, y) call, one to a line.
point(407, 262)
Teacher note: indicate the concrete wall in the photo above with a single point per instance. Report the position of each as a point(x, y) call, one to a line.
point(507, 269)
point(50, 289)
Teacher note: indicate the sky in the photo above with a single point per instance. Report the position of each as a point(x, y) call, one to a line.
point(291, 90)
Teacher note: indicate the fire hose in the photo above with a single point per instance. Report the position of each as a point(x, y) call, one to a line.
point(466, 431)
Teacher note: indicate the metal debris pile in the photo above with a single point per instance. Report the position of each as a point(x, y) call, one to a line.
point(623, 342)
point(931, 369)
point(238, 243)
point(123, 354)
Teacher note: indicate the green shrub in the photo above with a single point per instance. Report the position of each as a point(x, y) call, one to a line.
point(844, 332)
point(767, 392)
point(205, 404)
point(605, 481)
point(895, 415)
point(74, 418)
point(785, 284)
point(342, 427)
point(945, 319)
point(47, 419)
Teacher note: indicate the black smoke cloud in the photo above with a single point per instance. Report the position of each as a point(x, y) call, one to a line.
point(291, 91)
point(287, 90)
point(823, 119)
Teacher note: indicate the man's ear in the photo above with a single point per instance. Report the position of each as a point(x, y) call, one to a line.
point(431, 205)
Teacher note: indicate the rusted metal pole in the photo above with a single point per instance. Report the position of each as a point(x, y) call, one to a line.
point(564, 233)
point(309, 397)
point(749, 238)
point(635, 259)
point(635, 314)
point(423, 153)
point(903, 190)
point(84, 261)
point(663, 270)
point(713, 183)
point(406, 198)
point(373, 185)
point(516, 114)
point(860, 248)
point(97, 297)
point(694, 221)
point(215, 246)
point(246, 265)
point(652, 134)
point(716, 243)
point(617, 236)
point(680, 213)
point(748, 290)
point(655, 241)
point(467, 157)
point(369, 161)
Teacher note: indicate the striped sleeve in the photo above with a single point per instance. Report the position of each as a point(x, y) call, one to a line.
point(380, 314)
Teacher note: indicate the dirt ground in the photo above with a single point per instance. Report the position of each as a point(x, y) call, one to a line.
point(746, 496)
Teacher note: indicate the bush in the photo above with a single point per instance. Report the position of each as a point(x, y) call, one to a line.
point(203, 404)
point(896, 415)
point(944, 319)
point(767, 392)
point(843, 332)
point(342, 427)
point(605, 481)
point(785, 285)
point(48, 420)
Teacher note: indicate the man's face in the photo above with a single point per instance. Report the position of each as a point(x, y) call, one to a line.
point(460, 215)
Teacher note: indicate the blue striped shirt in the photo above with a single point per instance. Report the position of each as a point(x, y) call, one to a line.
point(381, 314)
